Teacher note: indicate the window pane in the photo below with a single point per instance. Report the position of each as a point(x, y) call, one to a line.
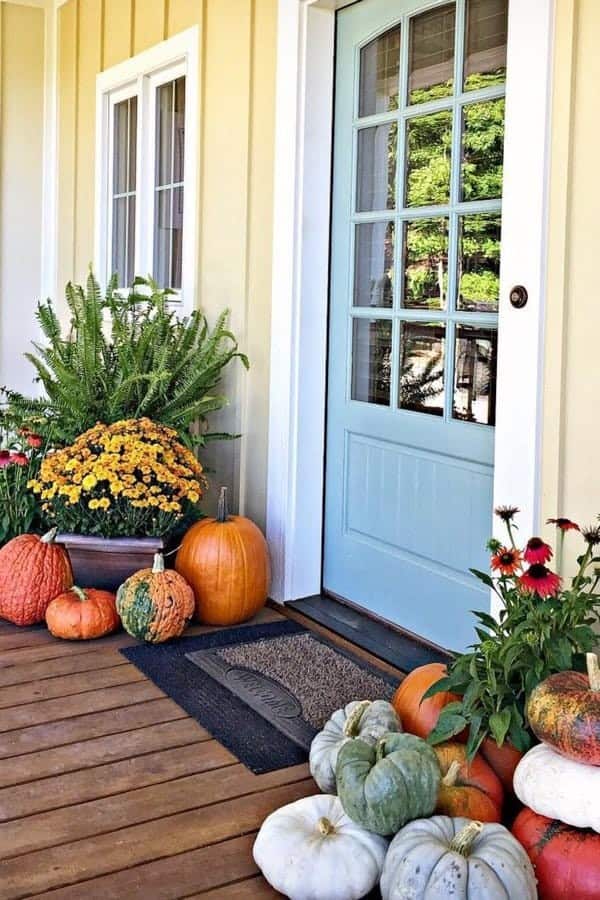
point(475, 375)
point(426, 264)
point(371, 360)
point(485, 45)
point(431, 55)
point(482, 150)
point(162, 237)
point(164, 134)
point(374, 264)
point(422, 367)
point(377, 149)
point(429, 146)
point(179, 137)
point(379, 70)
point(130, 241)
point(131, 181)
point(177, 238)
point(119, 263)
point(479, 262)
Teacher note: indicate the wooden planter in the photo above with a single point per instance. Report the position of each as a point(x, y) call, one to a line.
point(106, 562)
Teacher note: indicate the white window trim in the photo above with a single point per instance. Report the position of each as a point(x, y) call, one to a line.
point(140, 76)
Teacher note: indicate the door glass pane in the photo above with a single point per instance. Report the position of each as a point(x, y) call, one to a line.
point(475, 374)
point(374, 264)
point(429, 145)
point(431, 55)
point(377, 150)
point(485, 44)
point(371, 360)
point(479, 262)
point(482, 150)
point(426, 264)
point(422, 347)
point(379, 72)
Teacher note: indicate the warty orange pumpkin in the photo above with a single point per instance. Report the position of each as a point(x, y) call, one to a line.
point(33, 571)
point(155, 604)
point(78, 615)
point(226, 561)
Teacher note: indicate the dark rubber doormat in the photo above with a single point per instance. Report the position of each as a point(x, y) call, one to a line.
point(263, 691)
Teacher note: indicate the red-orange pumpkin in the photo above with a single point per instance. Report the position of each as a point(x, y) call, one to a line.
point(503, 760)
point(564, 711)
point(416, 717)
point(566, 859)
point(33, 571)
point(472, 789)
point(226, 561)
point(78, 615)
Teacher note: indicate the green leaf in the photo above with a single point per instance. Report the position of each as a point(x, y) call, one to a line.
point(499, 723)
point(483, 576)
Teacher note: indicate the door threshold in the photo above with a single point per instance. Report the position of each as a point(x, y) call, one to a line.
point(390, 643)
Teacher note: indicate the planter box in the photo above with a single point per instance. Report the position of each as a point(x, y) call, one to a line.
point(106, 562)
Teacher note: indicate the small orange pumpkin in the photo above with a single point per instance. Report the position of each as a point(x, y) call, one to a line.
point(33, 571)
point(155, 604)
point(472, 790)
point(418, 717)
point(226, 561)
point(78, 615)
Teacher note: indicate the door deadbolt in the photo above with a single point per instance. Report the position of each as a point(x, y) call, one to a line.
point(519, 296)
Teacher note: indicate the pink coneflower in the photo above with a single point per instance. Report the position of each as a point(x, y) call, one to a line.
point(540, 580)
point(507, 560)
point(506, 513)
point(34, 440)
point(537, 552)
point(19, 459)
point(5, 458)
point(563, 524)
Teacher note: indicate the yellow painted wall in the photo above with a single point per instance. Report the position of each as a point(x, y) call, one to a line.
point(236, 174)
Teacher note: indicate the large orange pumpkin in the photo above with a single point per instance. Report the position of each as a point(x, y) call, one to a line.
point(226, 561)
point(78, 615)
point(33, 571)
point(469, 789)
point(503, 760)
point(416, 717)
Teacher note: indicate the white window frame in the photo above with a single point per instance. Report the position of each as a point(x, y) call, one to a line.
point(141, 76)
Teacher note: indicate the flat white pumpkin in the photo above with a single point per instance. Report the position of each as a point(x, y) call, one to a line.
point(311, 850)
point(559, 788)
point(443, 857)
point(365, 719)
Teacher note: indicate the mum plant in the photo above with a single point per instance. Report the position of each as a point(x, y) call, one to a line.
point(543, 626)
point(133, 477)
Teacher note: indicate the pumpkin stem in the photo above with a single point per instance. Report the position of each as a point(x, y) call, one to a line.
point(593, 671)
point(464, 840)
point(79, 593)
point(451, 776)
point(222, 507)
point(380, 749)
point(48, 538)
point(325, 827)
point(159, 564)
point(352, 723)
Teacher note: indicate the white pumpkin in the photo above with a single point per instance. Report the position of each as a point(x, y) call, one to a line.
point(441, 857)
point(365, 719)
point(311, 850)
point(559, 788)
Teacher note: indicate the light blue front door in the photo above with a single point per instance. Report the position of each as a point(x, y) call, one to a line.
point(418, 143)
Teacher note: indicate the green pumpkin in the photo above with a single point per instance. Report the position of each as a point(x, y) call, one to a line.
point(384, 786)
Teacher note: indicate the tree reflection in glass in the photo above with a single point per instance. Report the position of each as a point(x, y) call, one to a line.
point(429, 152)
point(479, 262)
point(426, 264)
point(482, 150)
point(422, 367)
point(475, 374)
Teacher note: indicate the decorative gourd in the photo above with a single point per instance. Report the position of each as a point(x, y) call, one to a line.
point(384, 786)
point(439, 858)
point(78, 615)
point(566, 859)
point(155, 604)
point(226, 561)
point(364, 719)
point(564, 711)
point(311, 849)
point(503, 760)
point(559, 788)
point(472, 790)
point(33, 571)
point(421, 718)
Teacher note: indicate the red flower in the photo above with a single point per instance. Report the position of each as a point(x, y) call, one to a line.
point(507, 560)
point(5, 458)
point(34, 440)
point(564, 524)
point(537, 552)
point(19, 459)
point(540, 580)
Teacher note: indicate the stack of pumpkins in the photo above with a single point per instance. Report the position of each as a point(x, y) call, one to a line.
point(558, 781)
point(222, 577)
point(380, 782)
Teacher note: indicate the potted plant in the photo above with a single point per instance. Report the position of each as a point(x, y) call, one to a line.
point(21, 454)
point(118, 495)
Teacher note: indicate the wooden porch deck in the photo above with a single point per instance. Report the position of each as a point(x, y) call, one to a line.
point(109, 790)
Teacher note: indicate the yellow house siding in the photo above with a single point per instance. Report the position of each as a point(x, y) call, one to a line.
point(236, 127)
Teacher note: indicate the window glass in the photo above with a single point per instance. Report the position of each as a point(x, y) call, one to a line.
point(372, 360)
point(169, 178)
point(485, 43)
point(431, 55)
point(379, 70)
point(124, 183)
point(422, 367)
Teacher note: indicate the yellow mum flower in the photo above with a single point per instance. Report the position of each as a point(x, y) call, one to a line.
point(89, 482)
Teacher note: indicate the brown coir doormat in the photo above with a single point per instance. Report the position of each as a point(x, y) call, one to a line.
point(263, 691)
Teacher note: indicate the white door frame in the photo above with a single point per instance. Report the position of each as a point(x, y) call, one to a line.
point(303, 150)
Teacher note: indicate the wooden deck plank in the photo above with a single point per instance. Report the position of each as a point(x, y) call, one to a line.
point(91, 857)
point(111, 778)
point(61, 826)
point(68, 685)
point(62, 665)
point(37, 738)
point(250, 889)
point(24, 637)
point(95, 752)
